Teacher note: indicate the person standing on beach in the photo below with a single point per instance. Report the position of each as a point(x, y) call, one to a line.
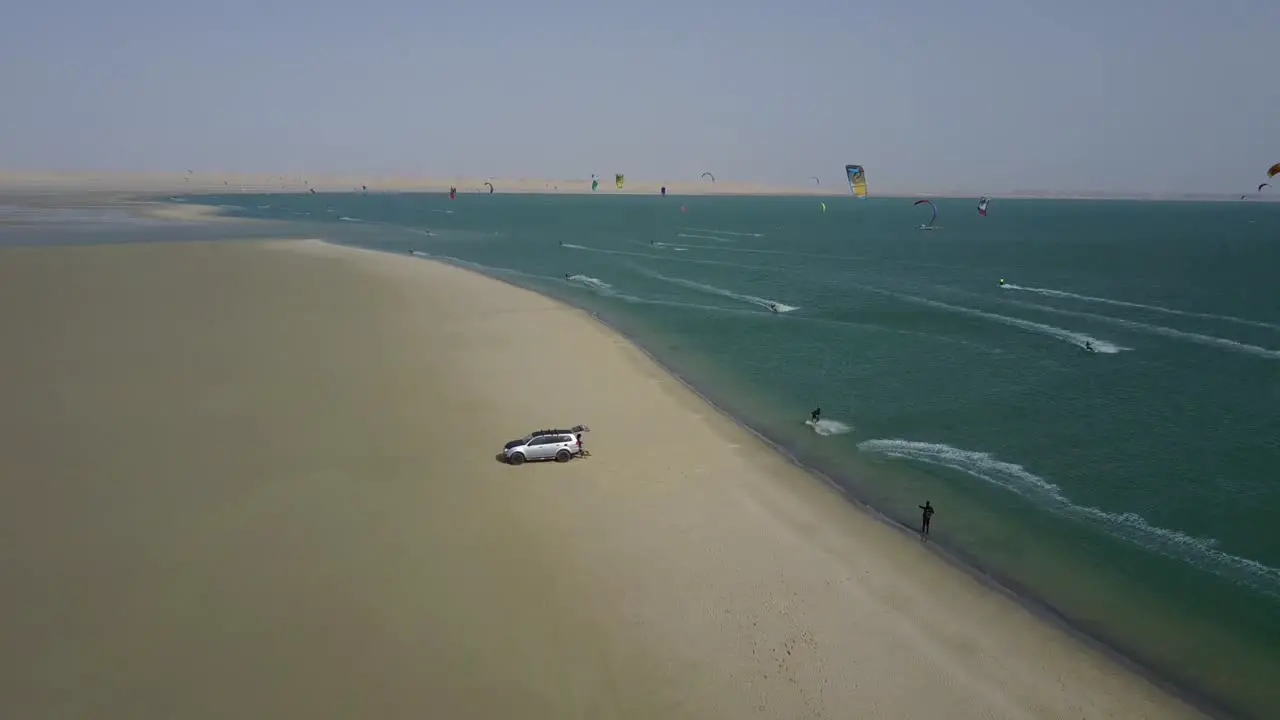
point(926, 514)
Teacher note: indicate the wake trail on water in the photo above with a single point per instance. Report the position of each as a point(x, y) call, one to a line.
point(1209, 340)
point(590, 282)
point(1049, 292)
point(1202, 553)
point(596, 285)
point(479, 267)
point(660, 245)
point(820, 256)
point(667, 258)
point(1080, 340)
point(704, 237)
point(765, 303)
point(1077, 339)
point(405, 228)
point(711, 231)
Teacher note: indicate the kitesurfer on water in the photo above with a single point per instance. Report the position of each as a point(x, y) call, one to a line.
point(813, 416)
point(1088, 346)
point(773, 307)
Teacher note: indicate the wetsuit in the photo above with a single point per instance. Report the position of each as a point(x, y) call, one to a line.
point(814, 415)
point(926, 514)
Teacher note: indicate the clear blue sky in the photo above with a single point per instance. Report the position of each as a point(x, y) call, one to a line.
point(980, 95)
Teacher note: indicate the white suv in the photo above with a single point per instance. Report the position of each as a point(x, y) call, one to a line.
point(558, 445)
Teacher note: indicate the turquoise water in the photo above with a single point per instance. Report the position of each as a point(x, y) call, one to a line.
point(1129, 490)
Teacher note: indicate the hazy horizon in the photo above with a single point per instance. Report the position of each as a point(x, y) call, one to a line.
point(1136, 97)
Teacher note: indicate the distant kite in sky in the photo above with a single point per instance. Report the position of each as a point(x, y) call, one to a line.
point(857, 180)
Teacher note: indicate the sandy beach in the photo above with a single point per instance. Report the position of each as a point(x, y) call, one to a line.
point(257, 479)
point(124, 184)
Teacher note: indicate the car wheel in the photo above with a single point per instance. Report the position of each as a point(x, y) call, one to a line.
point(563, 455)
point(516, 458)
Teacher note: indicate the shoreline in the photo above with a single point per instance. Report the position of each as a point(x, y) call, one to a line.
point(145, 186)
point(1007, 587)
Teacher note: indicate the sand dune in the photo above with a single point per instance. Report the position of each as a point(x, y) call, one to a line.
point(258, 480)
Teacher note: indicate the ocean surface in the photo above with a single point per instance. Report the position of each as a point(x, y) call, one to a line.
point(1130, 491)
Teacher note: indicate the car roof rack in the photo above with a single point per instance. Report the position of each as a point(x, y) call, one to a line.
point(560, 431)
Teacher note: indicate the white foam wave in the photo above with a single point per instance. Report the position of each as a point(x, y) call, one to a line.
point(827, 428)
point(1209, 340)
point(1049, 292)
point(765, 303)
point(1080, 340)
point(589, 282)
point(1204, 553)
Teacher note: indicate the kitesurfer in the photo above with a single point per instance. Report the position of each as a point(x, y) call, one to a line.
point(1002, 282)
point(813, 416)
point(773, 307)
point(926, 514)
point(1088, 346)
point(664, 191)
